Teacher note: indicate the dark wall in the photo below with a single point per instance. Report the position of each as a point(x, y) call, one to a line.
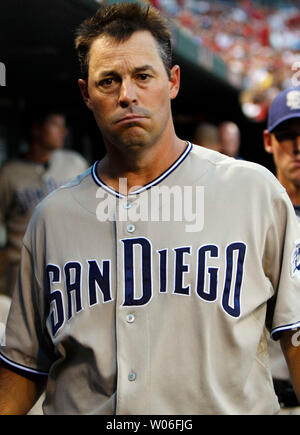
point(37, 47)
point(204, 97)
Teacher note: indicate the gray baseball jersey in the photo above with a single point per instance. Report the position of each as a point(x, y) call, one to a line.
point(132, 311)
point(23, 184)
point(278, 363)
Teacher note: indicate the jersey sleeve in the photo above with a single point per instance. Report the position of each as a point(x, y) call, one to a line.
point(26, 344)
point(283, 266)
point(79, 163)
point(82, 163)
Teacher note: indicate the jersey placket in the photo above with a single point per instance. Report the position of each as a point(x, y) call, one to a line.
point(131, 320)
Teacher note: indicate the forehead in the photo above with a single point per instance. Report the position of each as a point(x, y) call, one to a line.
point(140, 48)
point(53, 118)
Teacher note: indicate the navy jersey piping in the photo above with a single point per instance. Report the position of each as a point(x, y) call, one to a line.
point(278, 329)
point(157, 180)
point(21, 366)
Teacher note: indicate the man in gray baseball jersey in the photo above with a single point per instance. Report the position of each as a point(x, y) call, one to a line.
point(26, 180)
point(282, 140)
point(147, 285)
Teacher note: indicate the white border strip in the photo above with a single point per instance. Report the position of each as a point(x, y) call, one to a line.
point(147, 186)
point(21, 367)
point(285, 328)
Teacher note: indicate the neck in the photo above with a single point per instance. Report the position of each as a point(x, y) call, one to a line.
point(38, 154)
point(138, 168)
point(292, 189)
point(294, 194)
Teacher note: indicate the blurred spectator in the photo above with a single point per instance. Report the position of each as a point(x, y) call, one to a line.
point(257, 40)
point(25, 181)
point(230, 138)
point(207, 135)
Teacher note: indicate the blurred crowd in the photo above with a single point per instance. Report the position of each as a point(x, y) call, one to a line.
point(257, 40)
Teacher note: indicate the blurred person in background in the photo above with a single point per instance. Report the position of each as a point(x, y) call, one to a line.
point(282, 140)
point(230, 139)
point(26, 180)
point(207, 135)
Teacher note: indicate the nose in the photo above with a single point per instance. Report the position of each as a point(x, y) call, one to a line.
point(127, 94)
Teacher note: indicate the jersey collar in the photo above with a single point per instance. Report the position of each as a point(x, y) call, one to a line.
point(147, 186)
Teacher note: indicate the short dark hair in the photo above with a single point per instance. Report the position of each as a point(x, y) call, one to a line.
point(40, 115)
point(120, 21)
point(37, 116)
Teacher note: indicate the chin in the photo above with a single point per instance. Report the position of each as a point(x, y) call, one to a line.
point(294, 178)
point(137, 142)
point(55, 147)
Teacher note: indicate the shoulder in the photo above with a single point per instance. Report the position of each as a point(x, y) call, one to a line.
point(69, 157)
point(235, 172)
point(59, 201)
point(12, 171)
point(56, 211)
point(12, 165)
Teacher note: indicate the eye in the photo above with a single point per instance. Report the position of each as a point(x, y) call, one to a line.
point(106, 83)
point(143, 76)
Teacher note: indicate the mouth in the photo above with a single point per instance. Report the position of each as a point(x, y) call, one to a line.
point(296, 163)
point(129, 119)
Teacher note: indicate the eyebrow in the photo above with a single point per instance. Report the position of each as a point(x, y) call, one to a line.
point(112, 72)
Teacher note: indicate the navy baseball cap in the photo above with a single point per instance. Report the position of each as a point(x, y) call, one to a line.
point(286, 105)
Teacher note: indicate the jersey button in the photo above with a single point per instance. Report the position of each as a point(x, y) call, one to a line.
point(130, 228)
point(130, 318)
point(127, 204)
point(132, 376)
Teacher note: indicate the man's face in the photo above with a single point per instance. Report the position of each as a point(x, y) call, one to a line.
point(52, 132)
point(230, 139)
point(129, 90)
point(284, 144)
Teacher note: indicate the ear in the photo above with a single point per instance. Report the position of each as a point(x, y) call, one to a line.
point(174, 81)
point(83, 86)
point(268, 142)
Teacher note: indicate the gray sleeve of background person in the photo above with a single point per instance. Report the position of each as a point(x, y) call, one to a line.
point(83, 163)
point(27, 345)
point(79, 163)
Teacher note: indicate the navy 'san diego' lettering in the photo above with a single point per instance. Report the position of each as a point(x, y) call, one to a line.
point(64, 284)
point(129, 296)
